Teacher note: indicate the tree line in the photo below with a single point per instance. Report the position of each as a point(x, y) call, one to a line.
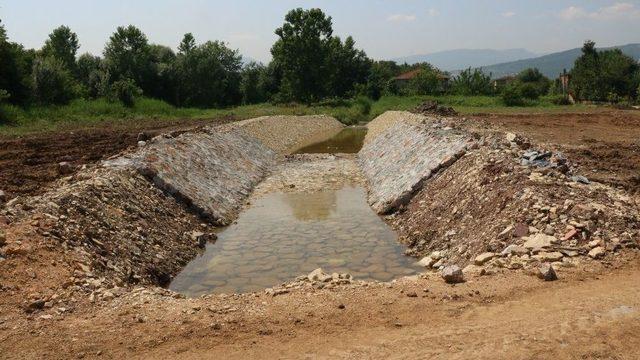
point(309, 64)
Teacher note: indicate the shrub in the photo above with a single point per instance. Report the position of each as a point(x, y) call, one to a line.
point(363, 104)
point(512, 95)
point(528, 90)
point(52, 82)
point(559, 100)
point(125, 91)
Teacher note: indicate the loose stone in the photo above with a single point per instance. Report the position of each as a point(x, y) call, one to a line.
point(546, 272)
point(452, 274)
point(483, 258)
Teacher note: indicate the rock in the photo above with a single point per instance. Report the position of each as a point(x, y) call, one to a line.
point(594, 243)
point(143, 136)
point(437, 255)
point(142, 143)
point(597, 253)
point(427, 262)
point(514, 250)
point(473, 270)
point(65, 168)
point(569, 235)
point(319, 275)
point(549, 230)
point(581, 179)
point(202, 239)
point(36, 305)
point(521, 230)
point(3, 238)
point(506, 233)
point(452, 274)
point(546, 272)
point(539, 241)
point(412, 294)
point(511, 137)
point(483, 258)
point(3, 197)
point(549, 256)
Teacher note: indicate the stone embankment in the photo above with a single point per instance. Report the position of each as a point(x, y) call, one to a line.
point(117, 220)
point(401, 152)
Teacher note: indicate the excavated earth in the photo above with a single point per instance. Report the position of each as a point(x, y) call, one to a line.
point(85, 261)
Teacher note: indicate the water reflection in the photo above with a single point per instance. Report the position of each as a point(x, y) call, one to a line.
point(284, 235)
point(347, 141)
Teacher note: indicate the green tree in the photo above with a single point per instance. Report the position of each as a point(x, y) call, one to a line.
point(586, 73)
point(472, 82)
point(348, 67)
point(63, 45)
point(301, 53)
point(534, 83)
point(428, 81)
point(379, 78)
point(52, 82)
point(208, 75)
point(252, 84)
point(163, 59)
point(92, 75)
point(187, 44)
point(15, 69)
point(128, 56)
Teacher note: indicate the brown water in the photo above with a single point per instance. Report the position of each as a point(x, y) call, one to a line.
point(285, 235)
point(347, 141)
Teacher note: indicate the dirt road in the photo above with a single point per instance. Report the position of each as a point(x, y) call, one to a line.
point(591, 313)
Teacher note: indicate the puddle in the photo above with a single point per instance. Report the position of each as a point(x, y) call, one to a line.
point(284, 235)
point(348, 141)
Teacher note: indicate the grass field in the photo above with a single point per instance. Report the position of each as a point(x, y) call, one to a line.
point(88, 113)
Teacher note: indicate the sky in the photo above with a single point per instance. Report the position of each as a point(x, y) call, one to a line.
point(385, 29)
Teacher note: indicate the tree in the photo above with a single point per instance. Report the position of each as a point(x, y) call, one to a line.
point(15, 69)
point(471, 82)
point(348, 67)
point(252, 85)
point(187, 44)
point(533, 83)
point(586, 73)
point(301, 53)
point(208, 75)
point(52, 82)
point(128, 56)
point(92, 76)
point(163, 59)
point(63, 45)
point(379, 78)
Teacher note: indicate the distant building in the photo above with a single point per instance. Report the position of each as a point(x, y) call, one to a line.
point(499, 83)
point(403, 80)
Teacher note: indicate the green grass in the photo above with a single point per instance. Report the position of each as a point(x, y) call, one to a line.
point(90, 113)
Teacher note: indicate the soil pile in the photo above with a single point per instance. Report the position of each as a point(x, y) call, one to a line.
point(432, 108)
point(493, 207)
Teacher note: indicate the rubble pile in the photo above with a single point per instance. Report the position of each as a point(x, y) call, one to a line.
point(126, 230)
point(504, 207)
point(432, 108)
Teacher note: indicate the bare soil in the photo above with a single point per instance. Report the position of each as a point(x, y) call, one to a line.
point(592, 312)
point(604, 145)
point(30, 163)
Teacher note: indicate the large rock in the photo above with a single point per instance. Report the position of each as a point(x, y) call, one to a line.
point(549, 256)
point(452, 274)
point(514, 250)
point(597, 252)
point(483, 258)
point(398, 161)
point(427, 262)
point(319, 275)
point(539, 241)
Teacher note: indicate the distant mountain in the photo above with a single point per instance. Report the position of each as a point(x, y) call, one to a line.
point(465, 58)
point(553, 64)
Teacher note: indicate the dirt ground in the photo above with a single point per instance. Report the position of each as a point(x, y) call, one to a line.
point(592, 312)
point(29, 163)
point(604, 145)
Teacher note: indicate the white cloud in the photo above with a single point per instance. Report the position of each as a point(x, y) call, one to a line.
point(621, 10)
point(508, 14)
point(433, 12)
point(401, 18)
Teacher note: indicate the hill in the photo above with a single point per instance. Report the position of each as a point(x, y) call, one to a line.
point(464, 58)
point(553, 64)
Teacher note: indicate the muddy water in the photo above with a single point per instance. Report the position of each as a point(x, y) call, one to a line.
point(284, 235)
point(347, 141)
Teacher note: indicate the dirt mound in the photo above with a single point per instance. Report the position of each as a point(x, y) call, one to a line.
point(489, 200)
point(432, 108)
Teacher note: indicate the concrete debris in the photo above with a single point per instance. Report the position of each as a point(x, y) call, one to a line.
point(432, 108)
point(539, 241)
point(597, 252)
point(483, 258)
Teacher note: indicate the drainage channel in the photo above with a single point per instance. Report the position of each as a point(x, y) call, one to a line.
point(283, 235)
